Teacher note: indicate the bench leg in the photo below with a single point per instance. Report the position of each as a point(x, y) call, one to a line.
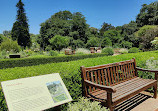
point(155, 91)
point(109, 101)
point(111, 108)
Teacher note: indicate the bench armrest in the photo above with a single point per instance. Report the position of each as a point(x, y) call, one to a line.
point(107, 88)
point(148, 70)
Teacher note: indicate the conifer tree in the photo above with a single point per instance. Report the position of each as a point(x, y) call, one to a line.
point(20, 29)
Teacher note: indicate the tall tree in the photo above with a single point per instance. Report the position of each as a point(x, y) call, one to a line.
point(20, 29)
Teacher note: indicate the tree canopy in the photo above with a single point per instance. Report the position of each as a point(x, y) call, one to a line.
point(148, 15)
point(64, 23)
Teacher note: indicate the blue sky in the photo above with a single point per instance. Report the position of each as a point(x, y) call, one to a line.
point(115, 12)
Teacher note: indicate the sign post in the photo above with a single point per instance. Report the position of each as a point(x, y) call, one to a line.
point(35, 93)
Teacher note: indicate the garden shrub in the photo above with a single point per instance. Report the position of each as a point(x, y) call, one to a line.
point(4, 54)
point(9, 45)
point(3, 106)
point(28, 52)
point(85, 104)
point(20, 62)
point(58, 42)
point(53, 53)
point(123, 51)
point(22, 54)
point(82, 51)
point(108, 51)
point(133, 50)
point(151, 64)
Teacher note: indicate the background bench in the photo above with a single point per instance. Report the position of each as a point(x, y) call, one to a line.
point(116, 82)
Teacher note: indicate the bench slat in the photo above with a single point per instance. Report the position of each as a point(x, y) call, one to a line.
point(100, 81)
point(103, 76)
point(112, 76)
point(115, 75)
point(123, 89)
point(96, 77)
point(106, 77)
point(88, 78)
point(109, 79)
point(92, 79)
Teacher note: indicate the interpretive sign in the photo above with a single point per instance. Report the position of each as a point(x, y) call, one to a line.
point(35, 93)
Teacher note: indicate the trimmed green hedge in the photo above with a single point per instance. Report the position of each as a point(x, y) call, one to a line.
point(21, 62)
point(69, 71)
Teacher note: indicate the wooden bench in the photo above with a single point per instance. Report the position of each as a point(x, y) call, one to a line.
point(113, 83)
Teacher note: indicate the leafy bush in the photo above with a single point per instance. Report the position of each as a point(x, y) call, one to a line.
point(133, 50)
point(152, 64)
point(9, 45)
point(84, 104)
point(23, 54)
point(108, 51)
point(4, 54)
point(58, 42)
point(53, 53)
point(155, 43)
point(147, 34)
point(3, 105)
point(123, 51)
point(82, 51)
point(28, 52)
point(9, 63)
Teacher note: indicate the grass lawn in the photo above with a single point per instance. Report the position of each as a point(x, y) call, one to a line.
point(72, 66)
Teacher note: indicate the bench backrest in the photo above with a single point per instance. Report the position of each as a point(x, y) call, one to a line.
point(110, 74)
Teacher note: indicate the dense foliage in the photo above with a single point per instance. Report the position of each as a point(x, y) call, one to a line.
point(74, 25)
point(20, 29)
point(146, 34)
point(148, 15)
point(64, 23)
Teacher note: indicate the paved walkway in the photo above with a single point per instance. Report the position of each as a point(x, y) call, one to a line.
point(148, 105)
point(140, 102)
